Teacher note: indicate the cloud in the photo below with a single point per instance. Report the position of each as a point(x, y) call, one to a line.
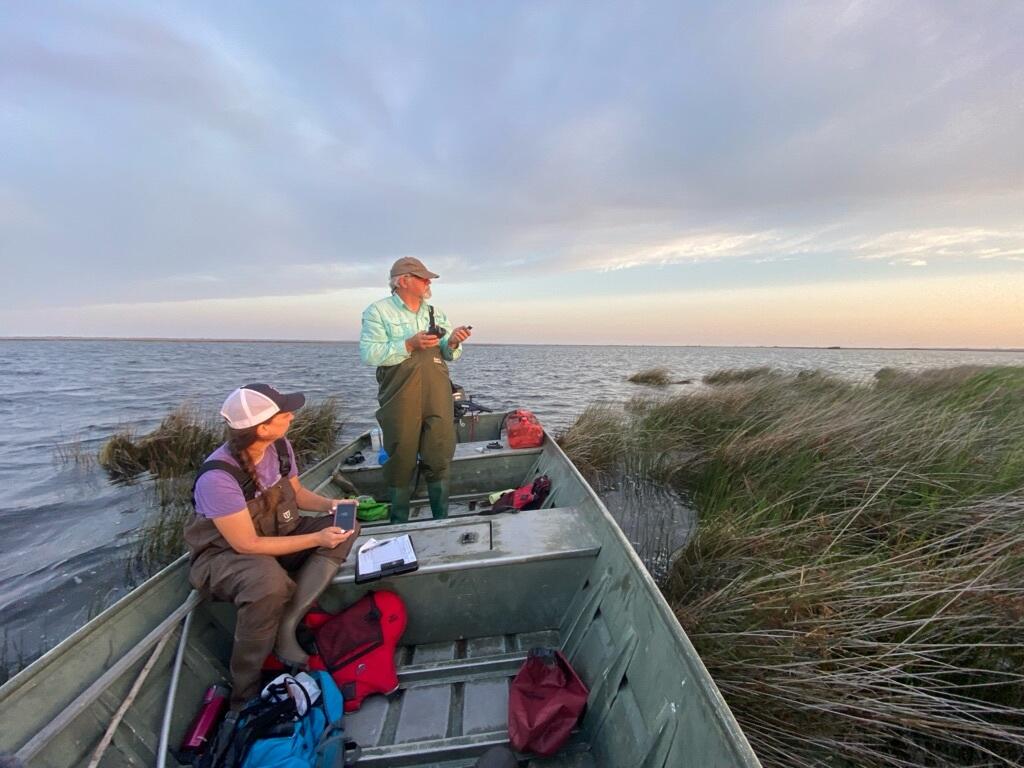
point(944, 243)
point(201, 151)
point(906, 247)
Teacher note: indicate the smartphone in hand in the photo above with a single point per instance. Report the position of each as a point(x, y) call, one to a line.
point(345, 514)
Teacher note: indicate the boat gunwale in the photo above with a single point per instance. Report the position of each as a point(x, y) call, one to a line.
point(705, 682)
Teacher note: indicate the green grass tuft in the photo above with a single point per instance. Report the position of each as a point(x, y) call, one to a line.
point(655, 377)
point(736, 375)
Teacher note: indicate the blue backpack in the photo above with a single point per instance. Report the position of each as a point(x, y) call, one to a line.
point(271, 734)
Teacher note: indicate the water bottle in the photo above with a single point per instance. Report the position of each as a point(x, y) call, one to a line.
point(375, 439)
point(204, 725)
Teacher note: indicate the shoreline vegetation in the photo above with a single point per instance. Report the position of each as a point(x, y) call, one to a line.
point(855, 585)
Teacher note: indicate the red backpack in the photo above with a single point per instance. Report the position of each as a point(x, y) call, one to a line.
point(524, 431)
point(357, 646)
point(530, 496)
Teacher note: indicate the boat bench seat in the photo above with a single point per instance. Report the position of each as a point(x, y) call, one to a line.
point(487, 541)
point(477, 471)
point(483, 575)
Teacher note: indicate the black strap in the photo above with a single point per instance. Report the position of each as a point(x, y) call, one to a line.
point(284, 465)
point(240, 475)
point(284, 459)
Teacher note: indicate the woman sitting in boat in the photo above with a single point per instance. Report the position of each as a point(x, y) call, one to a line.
point(249, 544)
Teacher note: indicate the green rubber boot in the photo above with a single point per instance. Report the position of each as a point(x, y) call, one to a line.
point(313, 578)
point(438, 493)
point(400, 504)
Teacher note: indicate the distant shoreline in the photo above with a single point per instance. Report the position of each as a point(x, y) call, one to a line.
point(157, 339)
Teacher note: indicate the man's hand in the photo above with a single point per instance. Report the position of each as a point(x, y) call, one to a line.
point(458, 336)
point(421, 340)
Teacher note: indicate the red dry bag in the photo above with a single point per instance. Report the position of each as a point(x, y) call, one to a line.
point(524, 431)
point(545, 701)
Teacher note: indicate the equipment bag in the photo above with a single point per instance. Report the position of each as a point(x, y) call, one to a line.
point(530, 496)
point(270, 733)
point(524, 431)
point(357, 646)
point(545, 701)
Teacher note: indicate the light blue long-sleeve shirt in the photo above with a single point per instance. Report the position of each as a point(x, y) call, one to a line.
point(388, 323)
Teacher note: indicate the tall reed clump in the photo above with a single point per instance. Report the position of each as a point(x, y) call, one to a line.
point(655, 377)
point(173, 452)
point(856, 585)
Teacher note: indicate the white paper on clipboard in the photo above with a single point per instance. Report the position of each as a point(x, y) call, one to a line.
point(377, 556)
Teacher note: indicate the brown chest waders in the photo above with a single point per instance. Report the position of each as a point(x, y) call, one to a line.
point(416, 416)
point(271, 597)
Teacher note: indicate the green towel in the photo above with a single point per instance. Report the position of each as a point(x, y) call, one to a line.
point(370, 510)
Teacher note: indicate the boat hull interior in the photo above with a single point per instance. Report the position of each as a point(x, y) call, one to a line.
point(489, 588)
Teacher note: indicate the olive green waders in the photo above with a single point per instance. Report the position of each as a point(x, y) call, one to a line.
point(417, 416)
point(262, 587)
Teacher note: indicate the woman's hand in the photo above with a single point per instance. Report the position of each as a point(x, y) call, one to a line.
point(332, 536)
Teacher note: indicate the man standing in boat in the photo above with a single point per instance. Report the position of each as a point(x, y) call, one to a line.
point(411, 342)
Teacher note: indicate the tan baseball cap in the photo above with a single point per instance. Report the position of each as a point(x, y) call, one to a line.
point(409, 265)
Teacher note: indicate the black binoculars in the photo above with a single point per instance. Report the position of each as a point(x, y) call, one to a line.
point(433, 330)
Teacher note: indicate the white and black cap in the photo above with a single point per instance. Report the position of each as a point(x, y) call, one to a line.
point(255, 403)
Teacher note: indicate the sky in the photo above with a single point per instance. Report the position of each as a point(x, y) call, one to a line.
point(728, 173)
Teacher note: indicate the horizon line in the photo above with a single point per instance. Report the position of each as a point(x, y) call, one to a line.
point(187, 339)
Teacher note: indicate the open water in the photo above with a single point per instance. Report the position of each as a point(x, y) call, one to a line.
point(65, 531)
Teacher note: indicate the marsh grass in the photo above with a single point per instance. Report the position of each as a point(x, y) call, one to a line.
point(184, 438)
point(655, 377)
point(176, 447)
point(736, 375)
point(173, 452)
point(856, 586)
point(75, 453)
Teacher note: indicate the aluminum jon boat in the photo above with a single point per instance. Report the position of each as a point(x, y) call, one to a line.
point(489, 588)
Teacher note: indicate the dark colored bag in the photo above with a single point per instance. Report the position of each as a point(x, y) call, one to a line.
point(545, 702)
point(530, 496)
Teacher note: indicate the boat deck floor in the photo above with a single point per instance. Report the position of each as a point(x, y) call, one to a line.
point(451, 706)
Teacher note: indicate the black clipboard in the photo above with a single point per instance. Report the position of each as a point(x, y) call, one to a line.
point(390, 567)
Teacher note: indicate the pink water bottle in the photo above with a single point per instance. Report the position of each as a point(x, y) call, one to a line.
point(204, 726)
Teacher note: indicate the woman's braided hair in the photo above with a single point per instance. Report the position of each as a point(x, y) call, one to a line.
point(238, 441)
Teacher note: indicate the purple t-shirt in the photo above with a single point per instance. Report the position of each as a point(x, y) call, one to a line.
point(219, 494)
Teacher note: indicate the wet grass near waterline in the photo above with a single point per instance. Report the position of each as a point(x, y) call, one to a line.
point(856, 585)
point(185, 437)
point(658, 521)
point(657, 377)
